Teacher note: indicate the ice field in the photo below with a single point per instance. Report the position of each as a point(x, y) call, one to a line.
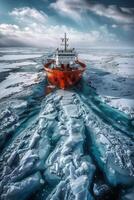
point(69, 145)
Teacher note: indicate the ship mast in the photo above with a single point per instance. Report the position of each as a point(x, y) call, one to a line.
point(65, 40)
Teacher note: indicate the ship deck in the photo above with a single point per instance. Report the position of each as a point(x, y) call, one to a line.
point(73, 67)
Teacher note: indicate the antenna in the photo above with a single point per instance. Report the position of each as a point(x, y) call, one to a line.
point(65, 40)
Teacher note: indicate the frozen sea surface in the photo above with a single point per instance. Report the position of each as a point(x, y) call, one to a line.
point(111, 73)
point(68, 145)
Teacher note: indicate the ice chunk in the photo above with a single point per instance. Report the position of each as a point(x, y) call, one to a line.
point(12, 158)
point(24, 188)
point(51, 178)
point(34, 140)
point(44, 148)
point(49, 112)
point(19, 57)
point(71, 110)
point(27, 165)
point(15, 83)
point(79, 187)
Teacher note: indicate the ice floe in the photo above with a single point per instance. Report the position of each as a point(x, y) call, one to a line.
point(67, 145)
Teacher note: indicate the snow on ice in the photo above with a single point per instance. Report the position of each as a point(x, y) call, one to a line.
point(68, 145)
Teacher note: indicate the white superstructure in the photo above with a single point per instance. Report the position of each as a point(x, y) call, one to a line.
point(65, 56)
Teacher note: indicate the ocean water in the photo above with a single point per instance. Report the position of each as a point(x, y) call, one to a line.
point(76, 144)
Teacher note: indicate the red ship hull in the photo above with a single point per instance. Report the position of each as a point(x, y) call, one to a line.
point(64, 78)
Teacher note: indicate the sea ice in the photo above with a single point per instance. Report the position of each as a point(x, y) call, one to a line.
point(69, 144)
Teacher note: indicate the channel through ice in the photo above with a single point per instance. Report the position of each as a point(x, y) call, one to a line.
point(69, 145)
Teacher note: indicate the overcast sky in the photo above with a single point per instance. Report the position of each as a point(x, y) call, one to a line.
point(98, 23)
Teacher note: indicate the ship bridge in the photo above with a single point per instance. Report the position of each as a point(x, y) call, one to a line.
point(65, 56)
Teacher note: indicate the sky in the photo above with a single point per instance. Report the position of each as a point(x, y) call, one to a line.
point(88, 23)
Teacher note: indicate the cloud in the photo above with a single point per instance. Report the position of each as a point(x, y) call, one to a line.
point(27, 14)
point(118, 14)
point(74, 8)
point(70, 8)
point(31, 29)
point(114, 25)
point(49, 36)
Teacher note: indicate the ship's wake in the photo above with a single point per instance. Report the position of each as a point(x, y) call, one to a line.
point(68, 145)
point(73, 147)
